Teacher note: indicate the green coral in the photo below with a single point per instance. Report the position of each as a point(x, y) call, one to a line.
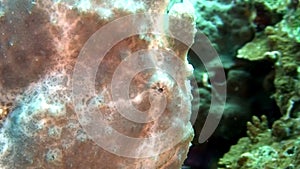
point(278, 46)
point(280, 6)
point(228, 25)
point(291, 25)
point(259, 46)
point(278, 147)
point(264, 148)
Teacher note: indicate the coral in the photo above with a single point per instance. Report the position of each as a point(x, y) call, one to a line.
point(263, 149)
point(256, 127)
point(276, 45)
point(268, 13)
point(291, 24)
point(279, 6)
point(258, 48)
point(277, 147)
point(228, 25)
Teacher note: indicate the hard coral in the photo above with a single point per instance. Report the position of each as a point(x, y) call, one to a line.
point(228, 25)
point(265, 150)
point(276, 147)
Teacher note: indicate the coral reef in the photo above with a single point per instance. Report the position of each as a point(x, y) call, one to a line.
point(262, 79)
point(277, 147)
point(282, 48)
point(227, 24)
point(266, 148)
point(230, 25)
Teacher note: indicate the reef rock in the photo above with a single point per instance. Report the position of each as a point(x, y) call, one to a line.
point(278, 146)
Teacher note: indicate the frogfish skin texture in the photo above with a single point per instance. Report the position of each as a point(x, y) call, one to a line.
point(45, 57)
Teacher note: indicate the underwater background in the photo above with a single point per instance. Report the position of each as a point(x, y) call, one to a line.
point(258, 42)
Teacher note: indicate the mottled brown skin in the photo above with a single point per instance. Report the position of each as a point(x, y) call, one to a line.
point(49, 141)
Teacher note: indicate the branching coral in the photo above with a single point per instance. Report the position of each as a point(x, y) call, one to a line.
point(265, 148)
point(256, 127)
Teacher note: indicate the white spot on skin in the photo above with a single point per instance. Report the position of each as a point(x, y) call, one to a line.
point(163, 78)
point(84, 5)
point(139, 98)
